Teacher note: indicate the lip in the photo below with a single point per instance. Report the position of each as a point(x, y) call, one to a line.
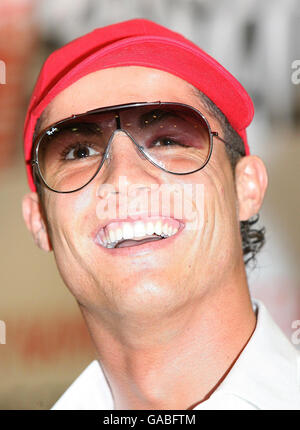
point(144, 248)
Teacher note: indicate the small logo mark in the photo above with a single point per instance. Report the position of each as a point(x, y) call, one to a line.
point(2, 72)
point(51, 131)
point(296, 73)
point(2, 332)
point(295, 338)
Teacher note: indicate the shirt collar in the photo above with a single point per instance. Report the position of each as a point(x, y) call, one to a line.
point(265, 374)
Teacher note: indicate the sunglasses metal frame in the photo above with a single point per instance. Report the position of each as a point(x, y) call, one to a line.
point(35, 163)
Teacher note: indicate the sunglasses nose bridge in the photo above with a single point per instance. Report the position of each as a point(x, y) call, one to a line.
point(113, 140)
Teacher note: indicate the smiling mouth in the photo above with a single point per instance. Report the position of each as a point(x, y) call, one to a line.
point(130, 234)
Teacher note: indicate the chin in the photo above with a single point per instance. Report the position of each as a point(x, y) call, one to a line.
point(145, 298)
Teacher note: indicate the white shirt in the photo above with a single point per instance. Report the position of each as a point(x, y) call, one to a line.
point(266, 375)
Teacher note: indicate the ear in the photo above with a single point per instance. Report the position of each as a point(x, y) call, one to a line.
point(251, 183)
point(33, 217)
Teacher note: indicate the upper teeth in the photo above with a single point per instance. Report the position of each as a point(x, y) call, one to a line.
point(114, 232)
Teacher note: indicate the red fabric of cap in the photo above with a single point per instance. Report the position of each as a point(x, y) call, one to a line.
point(137, 43)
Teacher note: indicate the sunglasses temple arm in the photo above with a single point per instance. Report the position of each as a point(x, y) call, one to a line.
point(216, 134)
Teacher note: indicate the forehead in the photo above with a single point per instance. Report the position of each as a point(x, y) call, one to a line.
point(117, 86)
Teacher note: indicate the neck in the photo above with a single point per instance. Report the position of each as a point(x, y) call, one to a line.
point(176, 361)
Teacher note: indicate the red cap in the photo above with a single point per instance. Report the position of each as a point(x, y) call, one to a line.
point(137, 42)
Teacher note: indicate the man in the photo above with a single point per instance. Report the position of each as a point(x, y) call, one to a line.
point(164, 295)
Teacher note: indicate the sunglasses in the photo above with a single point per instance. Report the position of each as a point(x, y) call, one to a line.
point(174, 137)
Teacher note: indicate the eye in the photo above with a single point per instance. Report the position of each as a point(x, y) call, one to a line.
point(79, 151)
point(166, 142)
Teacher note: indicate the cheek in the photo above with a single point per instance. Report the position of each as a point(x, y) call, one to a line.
point(220, 205)
point(220, 181)
point(69, 216)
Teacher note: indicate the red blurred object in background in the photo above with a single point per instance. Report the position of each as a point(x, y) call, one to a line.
point(17, 42)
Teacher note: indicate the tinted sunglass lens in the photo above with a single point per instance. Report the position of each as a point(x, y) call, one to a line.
point(175, 137)
point(70, 154)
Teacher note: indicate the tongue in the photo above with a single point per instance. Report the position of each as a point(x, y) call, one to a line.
point(131, 242)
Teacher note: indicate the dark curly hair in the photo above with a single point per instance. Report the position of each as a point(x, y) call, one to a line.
point(252, 238)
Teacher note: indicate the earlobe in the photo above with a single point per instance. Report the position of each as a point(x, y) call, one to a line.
point(34, 221)
point(251, 183)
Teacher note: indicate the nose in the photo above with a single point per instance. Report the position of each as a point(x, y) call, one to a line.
point(126, 171)
point(124, 156)
point(122, 145)
point(124, 159)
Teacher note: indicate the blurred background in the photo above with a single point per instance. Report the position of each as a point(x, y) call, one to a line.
point(47, 345)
